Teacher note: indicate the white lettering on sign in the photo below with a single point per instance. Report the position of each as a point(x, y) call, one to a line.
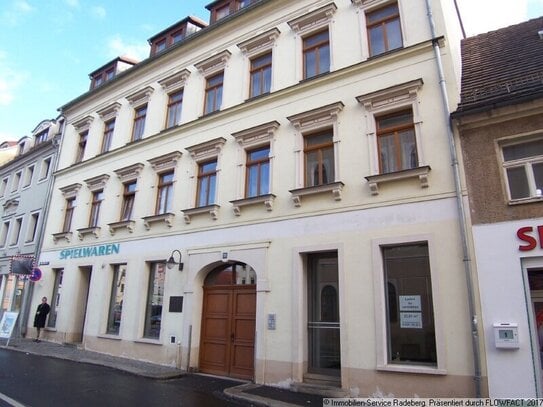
point(411, 320)
point(410, 303)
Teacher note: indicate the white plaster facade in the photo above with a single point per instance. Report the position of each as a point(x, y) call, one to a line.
point(349, 216)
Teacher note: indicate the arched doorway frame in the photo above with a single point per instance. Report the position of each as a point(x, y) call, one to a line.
point(199, 263)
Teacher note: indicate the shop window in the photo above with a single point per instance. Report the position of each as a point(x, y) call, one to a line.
point(409, 308)
point(155, 299)
point(523, 167)
point(55, 299)
point(116, 299)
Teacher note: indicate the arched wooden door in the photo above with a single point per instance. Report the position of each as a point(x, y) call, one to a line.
point(227, 339)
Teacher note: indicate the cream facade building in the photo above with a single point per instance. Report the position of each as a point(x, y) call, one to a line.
point(293, 156)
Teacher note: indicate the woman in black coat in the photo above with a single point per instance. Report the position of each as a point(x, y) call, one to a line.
point(41, 315)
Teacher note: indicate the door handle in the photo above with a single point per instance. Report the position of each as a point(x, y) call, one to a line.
point(232, 337)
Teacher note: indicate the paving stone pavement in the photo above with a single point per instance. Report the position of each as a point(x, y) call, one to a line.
point(250, 393)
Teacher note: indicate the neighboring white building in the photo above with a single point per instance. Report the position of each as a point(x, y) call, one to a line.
point(293, 156)
point(25, 186)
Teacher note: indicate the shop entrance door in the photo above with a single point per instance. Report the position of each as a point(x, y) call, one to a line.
point(323, 315)
point(228, 322)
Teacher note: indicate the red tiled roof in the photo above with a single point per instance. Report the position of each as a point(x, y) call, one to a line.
point(502, 67)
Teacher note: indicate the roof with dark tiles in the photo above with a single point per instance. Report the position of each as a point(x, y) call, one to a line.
point(502, 67)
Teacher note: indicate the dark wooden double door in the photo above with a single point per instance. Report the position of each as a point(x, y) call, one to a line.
point(228, 331)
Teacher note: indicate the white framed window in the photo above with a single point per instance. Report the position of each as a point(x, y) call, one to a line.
point(408, 333)
point(4, 186)
point(522, 162)
point(4, 233)
point(16, 181)
point(213, 70)
point(45, 168)
point(32, 227)
point(16, 232)
point(29, 174)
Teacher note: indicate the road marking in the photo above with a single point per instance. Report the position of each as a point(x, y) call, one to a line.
point(9, 400)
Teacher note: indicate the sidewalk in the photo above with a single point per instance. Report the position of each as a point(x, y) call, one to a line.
point(250, 393)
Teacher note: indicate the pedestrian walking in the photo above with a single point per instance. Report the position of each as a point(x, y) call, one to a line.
point(41, 314)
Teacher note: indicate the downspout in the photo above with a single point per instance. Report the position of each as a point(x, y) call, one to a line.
point(460, 207)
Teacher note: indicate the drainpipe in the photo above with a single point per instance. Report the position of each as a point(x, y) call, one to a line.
point(460, 207)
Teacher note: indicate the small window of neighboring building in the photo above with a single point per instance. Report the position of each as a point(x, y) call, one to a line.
point(45, 168)
point(32, 227)
point(523, 166)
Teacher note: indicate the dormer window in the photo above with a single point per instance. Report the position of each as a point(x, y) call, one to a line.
point(174, 34)
point(41, 137)
point(222, 9)
point(110, 71)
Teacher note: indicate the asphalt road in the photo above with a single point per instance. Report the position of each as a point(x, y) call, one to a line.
point(37, 381)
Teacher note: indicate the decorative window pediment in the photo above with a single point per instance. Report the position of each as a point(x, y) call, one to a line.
point(206, 150)
point(213, 64)
point(165, 162)
point(83, 124)
point(97, 183)
point(391, 97)
point(70, 191)
point(316, 118)
point(10, 206)
point(175, 81)
point(313, 20)
point(256, 135)
point(109, 112)
point(140, 97)
point(129, 173)
point(260, 43)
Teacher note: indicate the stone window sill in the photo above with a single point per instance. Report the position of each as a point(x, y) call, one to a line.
point(267, 200)
point(167, 218)
point(334, 188)
point(62, 235)
point(212, 210)
point(125, 224)
point(420, 172)
point(95, 231)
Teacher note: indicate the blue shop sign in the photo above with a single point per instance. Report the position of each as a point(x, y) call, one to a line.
point(90, 251)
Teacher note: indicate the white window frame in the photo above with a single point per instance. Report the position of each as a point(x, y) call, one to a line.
point(381, 335)
point(29, 175)
point(524, 162)
point(15, 233)
point(4, 186)
point(32, 226)
point(45, 168)
point(16, 181)
point(4, 232)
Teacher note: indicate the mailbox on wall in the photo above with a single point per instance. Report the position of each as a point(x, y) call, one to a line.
point(506, 336)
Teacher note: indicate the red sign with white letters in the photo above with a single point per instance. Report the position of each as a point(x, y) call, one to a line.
point(530, 236)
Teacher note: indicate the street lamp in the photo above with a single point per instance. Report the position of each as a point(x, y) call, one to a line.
point(171, 261)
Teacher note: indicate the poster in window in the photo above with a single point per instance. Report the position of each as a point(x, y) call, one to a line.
point(411, 320)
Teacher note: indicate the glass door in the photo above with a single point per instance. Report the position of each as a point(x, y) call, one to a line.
point(323, 315)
